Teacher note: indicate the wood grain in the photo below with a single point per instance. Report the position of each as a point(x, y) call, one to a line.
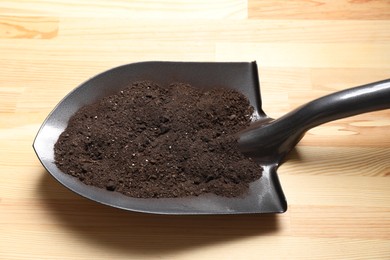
point(28, 27)
point(336, 181)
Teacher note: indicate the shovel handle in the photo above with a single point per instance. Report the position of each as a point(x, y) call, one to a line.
point(276, 138)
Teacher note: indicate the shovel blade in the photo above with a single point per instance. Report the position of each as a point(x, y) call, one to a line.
point(265, 195)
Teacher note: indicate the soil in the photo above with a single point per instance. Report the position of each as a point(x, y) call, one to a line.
point(152, 141)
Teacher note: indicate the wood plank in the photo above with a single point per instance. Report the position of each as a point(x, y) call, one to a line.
point(327, 186)
point(321, 9)
point(346, 221)
point(137, 9)
point(121, 29)
point(312, 55)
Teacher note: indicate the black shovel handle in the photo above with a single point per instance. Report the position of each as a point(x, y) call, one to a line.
point(267, 139)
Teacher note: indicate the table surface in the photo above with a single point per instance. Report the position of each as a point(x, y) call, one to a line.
point(337, 181)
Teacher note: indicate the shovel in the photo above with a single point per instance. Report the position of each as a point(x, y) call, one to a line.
point(268, 141)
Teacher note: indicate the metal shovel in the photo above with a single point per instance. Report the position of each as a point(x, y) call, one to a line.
point(267, 140)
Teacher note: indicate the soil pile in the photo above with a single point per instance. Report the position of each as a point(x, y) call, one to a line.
point(160, 141)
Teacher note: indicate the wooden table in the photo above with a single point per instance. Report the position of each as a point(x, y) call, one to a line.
point(337, 181)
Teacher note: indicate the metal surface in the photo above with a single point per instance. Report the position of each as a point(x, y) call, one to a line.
point(267, 140)
point(265, 195)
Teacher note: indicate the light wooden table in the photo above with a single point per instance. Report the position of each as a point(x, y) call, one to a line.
point(337, 182)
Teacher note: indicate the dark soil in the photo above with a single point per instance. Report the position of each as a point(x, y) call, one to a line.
point(153, 141)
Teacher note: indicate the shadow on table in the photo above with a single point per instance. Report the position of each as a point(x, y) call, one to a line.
point(145, 234)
